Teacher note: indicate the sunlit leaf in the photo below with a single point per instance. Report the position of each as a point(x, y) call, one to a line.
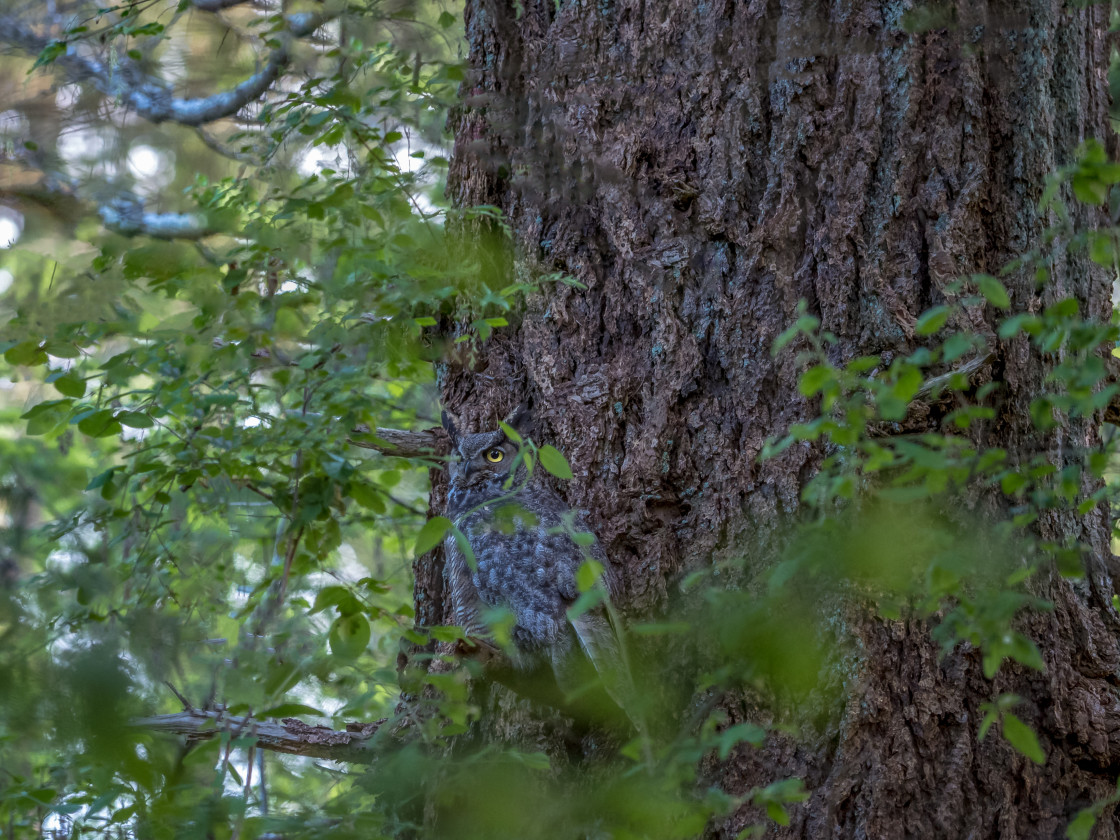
point(992, 290)
point(432, 534)
point(1081, 828)
point(553, 460)
point(349, 635)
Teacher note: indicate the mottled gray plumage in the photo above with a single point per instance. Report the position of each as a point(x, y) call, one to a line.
point(526, 561)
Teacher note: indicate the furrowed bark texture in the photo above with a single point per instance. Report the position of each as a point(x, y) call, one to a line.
point(703, 165)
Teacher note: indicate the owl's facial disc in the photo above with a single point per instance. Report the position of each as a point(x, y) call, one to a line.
point(483, 459)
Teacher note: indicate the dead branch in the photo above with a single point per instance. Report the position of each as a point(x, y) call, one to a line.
point(290, 736)
point(432, 442)
point(152, 98)
point(126, 215)
point(935, 385)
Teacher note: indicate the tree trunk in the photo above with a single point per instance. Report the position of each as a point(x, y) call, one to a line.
point(703, 165)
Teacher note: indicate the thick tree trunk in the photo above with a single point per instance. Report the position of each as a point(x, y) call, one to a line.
point(703, 165)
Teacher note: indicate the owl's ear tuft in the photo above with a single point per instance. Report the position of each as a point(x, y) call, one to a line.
point(451, 425)
point(520, 420)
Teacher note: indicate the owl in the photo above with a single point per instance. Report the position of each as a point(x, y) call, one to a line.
point(526, 557)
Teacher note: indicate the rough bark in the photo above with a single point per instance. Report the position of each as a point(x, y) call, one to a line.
point(702, 167)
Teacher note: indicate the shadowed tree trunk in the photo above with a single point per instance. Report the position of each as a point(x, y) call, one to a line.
point(703, 165)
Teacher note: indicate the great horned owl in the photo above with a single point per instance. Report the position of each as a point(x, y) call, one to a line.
point(526, 560)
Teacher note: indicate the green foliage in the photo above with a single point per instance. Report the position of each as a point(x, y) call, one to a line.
point(891, 493)
point(185, 504)
point(553, 460)
point(1081, 828)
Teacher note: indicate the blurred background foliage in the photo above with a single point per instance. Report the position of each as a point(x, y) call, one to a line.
point(198, 317)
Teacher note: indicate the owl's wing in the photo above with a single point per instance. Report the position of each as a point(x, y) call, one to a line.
point(464, 594)
point(599, 641)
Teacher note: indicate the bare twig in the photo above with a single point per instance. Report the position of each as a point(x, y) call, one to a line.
point(217, 5)
point(216, 145)
point(933, 387)
point(186, 703)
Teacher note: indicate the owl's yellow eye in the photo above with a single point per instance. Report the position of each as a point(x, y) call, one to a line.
point(495, 455)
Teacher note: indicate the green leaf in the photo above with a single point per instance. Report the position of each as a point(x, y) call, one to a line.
point(990, 718)
point(1064, 309)
point(135, 420)
point(46, 422)
point(1082, 826)
point(804, 324)
point(43, 796)
point(48, 54)
point(70, 385)
point(588, 574)
point(862, 364)
point(956, 346)
point(46, 406)
point(432, 534)
point(992, 290)
point(464, 545)
point(909, 380)
point(26, 353)
point(932, 320)
point(101, 479)
point(145, 29)
point(751, 733)
point(1102, 249)
point(99, 424)
point(777, 812)
point(336, 596)
point(1022, 738)
point(568, 280)
point(447, 634)
point(553, 460)
point(1089, 190)
point(587, 601)
point(62, 349)
point(367, 497)
point(349, 635)
point(1024, 651)
point(510, 432)
point(1030, 324)
point(446, 19)
point(816, 379)
point(533, 761)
